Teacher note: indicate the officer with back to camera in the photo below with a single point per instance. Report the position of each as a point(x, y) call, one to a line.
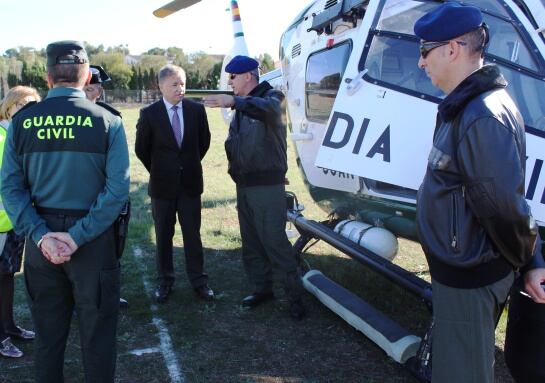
point(64, 181)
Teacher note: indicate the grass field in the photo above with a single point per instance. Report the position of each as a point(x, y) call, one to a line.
point(187, 340)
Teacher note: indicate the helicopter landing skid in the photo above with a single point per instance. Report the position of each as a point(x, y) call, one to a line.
point(413, 352)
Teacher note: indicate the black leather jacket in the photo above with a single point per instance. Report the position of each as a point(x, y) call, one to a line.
point(472, 219)
point(256, 145)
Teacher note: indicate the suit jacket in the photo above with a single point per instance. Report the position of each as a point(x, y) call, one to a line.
point(173, 170)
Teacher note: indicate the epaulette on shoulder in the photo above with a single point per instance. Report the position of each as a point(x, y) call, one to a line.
point(110, 108)
point(26, 106)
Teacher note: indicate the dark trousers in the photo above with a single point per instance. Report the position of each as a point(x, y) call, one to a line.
point(10, 263)
point(89, 282)
point(464, 329)
point(265, 245)
point(188, 210)
point(525, 337)
point(6, 305)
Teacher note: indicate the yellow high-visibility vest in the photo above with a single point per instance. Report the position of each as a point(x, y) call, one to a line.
point(5, 223)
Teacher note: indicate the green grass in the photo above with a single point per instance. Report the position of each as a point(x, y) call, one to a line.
point(220, 341)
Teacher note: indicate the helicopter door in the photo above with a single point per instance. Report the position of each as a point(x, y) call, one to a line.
point(382, 123)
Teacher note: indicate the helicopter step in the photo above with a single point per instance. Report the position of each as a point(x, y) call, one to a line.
point(395, 340)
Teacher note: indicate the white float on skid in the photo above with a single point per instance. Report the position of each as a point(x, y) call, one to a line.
point(377, 239)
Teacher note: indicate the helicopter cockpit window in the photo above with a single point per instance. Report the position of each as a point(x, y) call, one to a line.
point(407, 12)
point(391, 58)
point(395, 62)
point(527, 92)
point(507, 43)
point(399, 16)
point(491, 6)
point(325, 70)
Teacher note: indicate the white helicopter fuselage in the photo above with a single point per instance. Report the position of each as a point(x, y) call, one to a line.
point(363, 114)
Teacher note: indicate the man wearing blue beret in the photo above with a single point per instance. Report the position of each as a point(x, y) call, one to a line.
point(256, 150)
point(473, 221)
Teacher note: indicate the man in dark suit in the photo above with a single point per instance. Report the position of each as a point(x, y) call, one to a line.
point(171, 140)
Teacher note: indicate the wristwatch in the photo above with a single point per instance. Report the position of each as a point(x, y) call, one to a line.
point(39, 244)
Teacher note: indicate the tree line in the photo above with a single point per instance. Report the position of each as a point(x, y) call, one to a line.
point(27, 66)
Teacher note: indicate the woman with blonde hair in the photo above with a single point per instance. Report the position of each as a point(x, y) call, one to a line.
point(11, 244)
point(15, 99)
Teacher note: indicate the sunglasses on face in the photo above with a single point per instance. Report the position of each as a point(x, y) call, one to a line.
point(232, 76)
point(427, 46)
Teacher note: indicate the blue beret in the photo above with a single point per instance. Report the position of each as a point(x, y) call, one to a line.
point(241, 64)
point(447, 21)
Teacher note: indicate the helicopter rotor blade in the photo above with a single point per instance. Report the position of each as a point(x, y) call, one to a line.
point(173, 6)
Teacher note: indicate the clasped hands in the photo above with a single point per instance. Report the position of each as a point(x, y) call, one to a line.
point(58, 247)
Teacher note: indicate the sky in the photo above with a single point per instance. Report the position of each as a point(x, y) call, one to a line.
point(206, 26)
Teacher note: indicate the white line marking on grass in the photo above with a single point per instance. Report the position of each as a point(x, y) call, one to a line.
point(174, 369)
point(143, 351)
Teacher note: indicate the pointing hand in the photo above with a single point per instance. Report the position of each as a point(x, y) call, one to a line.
point(219, 101)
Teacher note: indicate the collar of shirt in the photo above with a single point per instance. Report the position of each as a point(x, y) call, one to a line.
point(168, 105)
point(170, 112)
point(65, 92)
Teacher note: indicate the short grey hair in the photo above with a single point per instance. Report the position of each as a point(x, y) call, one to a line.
point(255, 73)
point(476, 40)
point(170, 70)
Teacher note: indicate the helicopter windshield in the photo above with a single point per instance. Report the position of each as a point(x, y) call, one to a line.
point(392, 56)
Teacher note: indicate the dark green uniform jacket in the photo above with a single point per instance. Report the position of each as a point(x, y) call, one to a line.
point(65, 156)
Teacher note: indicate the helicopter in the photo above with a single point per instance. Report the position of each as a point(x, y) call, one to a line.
point(362, 117)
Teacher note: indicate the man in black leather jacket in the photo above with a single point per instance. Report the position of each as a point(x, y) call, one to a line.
point(473, 221)
point(256, 150)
